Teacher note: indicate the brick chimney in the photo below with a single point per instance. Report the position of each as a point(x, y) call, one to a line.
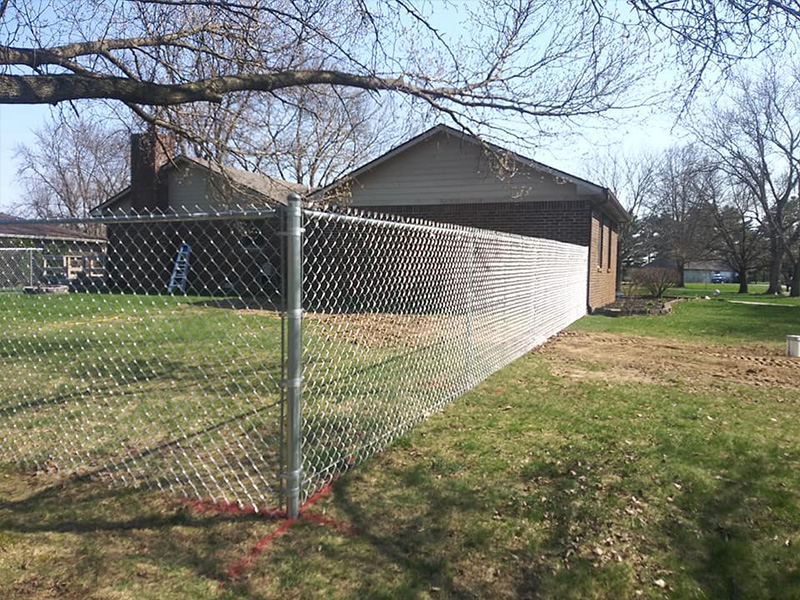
point(149, 152)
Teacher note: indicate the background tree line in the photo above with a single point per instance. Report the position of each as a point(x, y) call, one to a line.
point(306, 90)
point(729, 194)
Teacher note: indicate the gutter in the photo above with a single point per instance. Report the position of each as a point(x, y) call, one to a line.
point(52, 237)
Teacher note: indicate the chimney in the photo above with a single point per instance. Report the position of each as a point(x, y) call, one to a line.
point(149, 152)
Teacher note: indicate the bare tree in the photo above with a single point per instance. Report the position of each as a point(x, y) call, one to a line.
point(530, 59)
point(73, 165)
point(756, 142)
point(676, 209)
point(718, 33)
point(313, 136)
point(631, 177)
point(738, 238)
point(84, 52)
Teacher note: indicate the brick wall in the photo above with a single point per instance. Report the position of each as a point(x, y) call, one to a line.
point(602, 267)
point(561, 221)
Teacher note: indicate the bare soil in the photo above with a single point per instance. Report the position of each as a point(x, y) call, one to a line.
point(626, 358)
point(383, 330)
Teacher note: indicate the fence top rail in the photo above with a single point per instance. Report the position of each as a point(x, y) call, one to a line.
point(22, 248)
point(238, 214)
point(355, 216)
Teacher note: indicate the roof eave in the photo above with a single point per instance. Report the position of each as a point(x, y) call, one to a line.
point(616, 209)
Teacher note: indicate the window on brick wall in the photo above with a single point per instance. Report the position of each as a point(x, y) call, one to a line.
point(608, 261)
point(600, 243)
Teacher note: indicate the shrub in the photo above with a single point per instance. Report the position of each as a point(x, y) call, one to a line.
point(655, 280)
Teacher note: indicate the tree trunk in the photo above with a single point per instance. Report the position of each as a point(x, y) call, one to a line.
point(742, 281)
point(775, 260)
point(795, 291)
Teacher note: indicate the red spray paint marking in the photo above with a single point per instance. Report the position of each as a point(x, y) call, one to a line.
point(332, 523)
point(206, 506)
point(235, 571)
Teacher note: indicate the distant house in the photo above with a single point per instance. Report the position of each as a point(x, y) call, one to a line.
point(448, 176)
point(709, 272)
point(34, 253)
point(225, 255)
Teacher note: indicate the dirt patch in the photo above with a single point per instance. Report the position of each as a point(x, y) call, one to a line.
point(384, 330)
point(627, 358)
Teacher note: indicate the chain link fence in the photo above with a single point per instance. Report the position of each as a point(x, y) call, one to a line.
point(19, 267)
point(239, 358)
point(403, 317)
point(105, 373)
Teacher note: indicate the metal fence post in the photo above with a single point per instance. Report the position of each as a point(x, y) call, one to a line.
point(468, 376)
point(294, 364)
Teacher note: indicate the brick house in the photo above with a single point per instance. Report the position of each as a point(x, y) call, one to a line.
point(448, 176)
point(227, 255)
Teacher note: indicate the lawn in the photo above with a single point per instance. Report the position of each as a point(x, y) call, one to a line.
point(147, 390)
point(730, 291)
point(720, 321)
point(611, 463)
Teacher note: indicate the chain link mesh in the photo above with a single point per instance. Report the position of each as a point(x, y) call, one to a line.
point(403, 317)
point(106, 373)
point(19, 267)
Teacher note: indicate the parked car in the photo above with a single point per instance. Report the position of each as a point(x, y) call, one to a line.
point(719, 278)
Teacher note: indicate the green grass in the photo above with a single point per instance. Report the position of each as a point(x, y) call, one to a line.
point(104, 378)
point(714, 321)
point(730, 291)
point(532, 485)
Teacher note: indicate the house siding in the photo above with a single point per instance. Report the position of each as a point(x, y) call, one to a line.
point(141, 257)
point(448, 180)
point(188, 190)
point(447, 170)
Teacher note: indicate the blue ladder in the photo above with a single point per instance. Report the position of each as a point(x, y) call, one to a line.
point(180, 271)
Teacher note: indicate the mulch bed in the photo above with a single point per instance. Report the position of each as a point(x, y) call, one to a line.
point(638, 306)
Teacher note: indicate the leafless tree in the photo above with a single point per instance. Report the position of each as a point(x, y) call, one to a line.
point(147, 52)
point(525, 59)
point(500, 67)
point(717, 33)
point(72, 165)
point(313, 136)
point(676, 209)
point(737, 238)
point(631, 177)
point(756, 142)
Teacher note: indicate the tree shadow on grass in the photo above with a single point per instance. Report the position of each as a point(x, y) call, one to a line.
point(730, 537)
point(118, 535)
point(417, 543)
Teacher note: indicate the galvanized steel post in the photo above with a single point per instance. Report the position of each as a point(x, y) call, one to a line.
point(294, 364)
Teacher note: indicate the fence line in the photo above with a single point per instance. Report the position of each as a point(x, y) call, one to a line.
point(305, 341)
point(403, 317)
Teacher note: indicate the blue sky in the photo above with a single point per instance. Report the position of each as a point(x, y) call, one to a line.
point(17, 123)
point(570, 151)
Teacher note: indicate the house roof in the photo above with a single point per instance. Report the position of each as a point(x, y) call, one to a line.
point(26, 229)
point(273, 190)
point(608, 201)
point(708, 265)
point(662, 262)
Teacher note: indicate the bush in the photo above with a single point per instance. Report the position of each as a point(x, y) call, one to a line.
point(655, 280)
